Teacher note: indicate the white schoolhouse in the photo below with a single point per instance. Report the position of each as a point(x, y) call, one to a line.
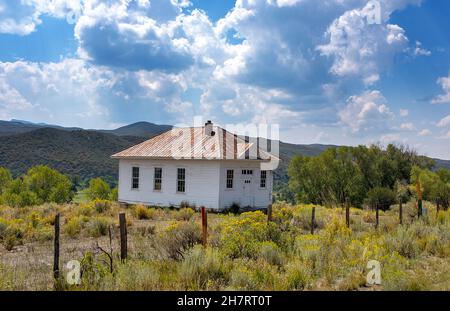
point(202, 166)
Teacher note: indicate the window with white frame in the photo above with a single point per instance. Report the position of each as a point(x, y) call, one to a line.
point(157, 179)
point(263, 179)
point(181, 180)
point(135, 178)
point(230, 177)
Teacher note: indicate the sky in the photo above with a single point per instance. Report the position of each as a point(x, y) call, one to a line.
point(344, 72)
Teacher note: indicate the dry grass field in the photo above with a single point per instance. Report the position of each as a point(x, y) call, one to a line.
point(244, 251)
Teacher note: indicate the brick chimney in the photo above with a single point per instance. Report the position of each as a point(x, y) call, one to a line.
point(209, 129)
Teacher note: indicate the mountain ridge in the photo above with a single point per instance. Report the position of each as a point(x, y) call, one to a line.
point(84, 154)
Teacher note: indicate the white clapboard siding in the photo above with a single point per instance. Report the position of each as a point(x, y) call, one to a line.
point(205, 183)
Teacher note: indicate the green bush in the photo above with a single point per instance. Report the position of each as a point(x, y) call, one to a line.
point(201, 267)
point(184, 214)
point(73, 226)
point(143, 212)
point(114, 195)
point(177, 239)
point(48, 184)
point(98, 226)
point(5, 179)
point(381, 197)
point(98, 189)
point(101, 206)
point(240, 236)
point(271, 253)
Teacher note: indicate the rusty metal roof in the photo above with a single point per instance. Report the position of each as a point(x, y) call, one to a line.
point(193, 143)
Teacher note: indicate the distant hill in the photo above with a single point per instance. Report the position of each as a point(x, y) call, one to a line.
point(86, 153)
point(81, 153)
point(19, 126)
point(141, 129)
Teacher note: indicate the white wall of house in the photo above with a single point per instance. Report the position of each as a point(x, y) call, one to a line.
point(247, 190)
point(205, 183)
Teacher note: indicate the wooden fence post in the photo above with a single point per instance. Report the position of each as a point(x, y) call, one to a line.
point(269, 213)
point(56, 247)
point(313, 219)
point(419, 199)
point(419, 208)
point(377, 221)
point(123, 236)
point(400, 212)
point(347, 214)
point(204, 226)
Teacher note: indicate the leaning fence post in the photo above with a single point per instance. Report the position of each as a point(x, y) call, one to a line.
point(377, 221)
point(313, 219)
point(269, 213)
point(56, 247)
point(204, 226)
point(123, 236)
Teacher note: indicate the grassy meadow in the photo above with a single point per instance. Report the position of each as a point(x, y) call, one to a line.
point(244, 252)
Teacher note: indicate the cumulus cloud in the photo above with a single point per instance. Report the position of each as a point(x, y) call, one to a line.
point(444, 122)
point(407, 127)
point(360, 48)
point(133, 35)
point(74, 92)
point(404, 112)
point(11, 101)
point(444, 82)
point(22, 17)
point(390, 138)
point(424, 132)
point(368, 111)
point(420, 51)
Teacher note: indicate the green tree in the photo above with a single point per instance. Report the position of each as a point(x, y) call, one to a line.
point(5, 179)
point(98, 189)
point(114, 195)
point(382, 197)
point(402, 192)
point(48, 184)
point(307, 179)
point(18, 195)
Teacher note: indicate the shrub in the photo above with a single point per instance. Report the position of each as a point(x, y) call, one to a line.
point(114, 195)
point(177, 239)
point(184, 214)
point(136, 276)
point(298, 275)
point(383, 197)
point(86, 210)
point(271, 253)
point(143, 212)
point(234, 208)
point(201, 267)
point(240, 235)
point(98, 189)
point(74, 226)
point(186, 204)
point(98, 226)
point(241, 278)
point(146, 230)
point(12, 234)
point(101, 206)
